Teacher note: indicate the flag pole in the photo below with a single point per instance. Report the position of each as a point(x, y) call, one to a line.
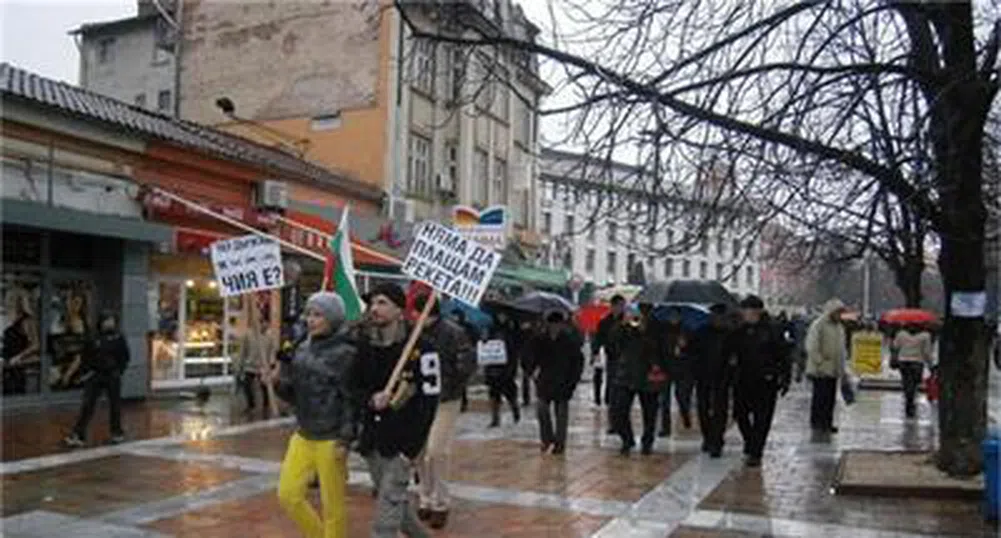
point(411, 342)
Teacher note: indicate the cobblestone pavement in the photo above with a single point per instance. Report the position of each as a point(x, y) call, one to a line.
point(209, 472)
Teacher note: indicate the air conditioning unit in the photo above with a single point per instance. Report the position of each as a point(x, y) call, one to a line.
point(404, 210)
point(272, 194)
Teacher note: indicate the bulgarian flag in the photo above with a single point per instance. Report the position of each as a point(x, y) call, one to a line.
point(339, 270)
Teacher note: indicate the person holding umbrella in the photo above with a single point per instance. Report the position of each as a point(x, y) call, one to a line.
point(556, 366)
point(642, 371)
point(607, 339)
point(711, 352)
point(911, 350)
point(673, 344)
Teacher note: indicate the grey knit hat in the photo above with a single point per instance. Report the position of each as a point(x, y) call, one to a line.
point(330, 304)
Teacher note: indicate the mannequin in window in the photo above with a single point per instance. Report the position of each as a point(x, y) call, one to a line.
point(20, 343)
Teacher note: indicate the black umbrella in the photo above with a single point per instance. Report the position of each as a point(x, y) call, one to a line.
point(703, 292)
point(539, 302)
point(495, 306)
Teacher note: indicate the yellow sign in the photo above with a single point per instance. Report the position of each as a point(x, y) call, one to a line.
point(867, 353)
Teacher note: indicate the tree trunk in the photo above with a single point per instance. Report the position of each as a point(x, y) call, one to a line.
point(908, 280)
point(957, 134)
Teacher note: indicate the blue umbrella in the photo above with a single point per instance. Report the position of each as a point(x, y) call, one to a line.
point(693, 316)
point(476, 317)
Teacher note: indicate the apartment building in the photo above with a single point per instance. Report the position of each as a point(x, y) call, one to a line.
point(598, 221)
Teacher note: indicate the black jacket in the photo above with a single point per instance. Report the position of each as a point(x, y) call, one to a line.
point(457, 355)
point(608, 337)
point(404, 429)
point(560, 363)
point(108, 354)
point(509, 335)
point(641, 351)
point(710, 352)
point(318, 382)
point(762, 354)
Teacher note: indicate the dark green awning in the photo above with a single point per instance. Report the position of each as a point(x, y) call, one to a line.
point(44, 216)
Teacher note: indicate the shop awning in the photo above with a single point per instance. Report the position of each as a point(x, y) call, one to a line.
point(534, 276)
point(313, 232)
point(39, 215)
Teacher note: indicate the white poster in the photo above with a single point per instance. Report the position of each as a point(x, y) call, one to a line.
point(247, 264)
point(968, 304)
point(491, 352)
point(451, 264)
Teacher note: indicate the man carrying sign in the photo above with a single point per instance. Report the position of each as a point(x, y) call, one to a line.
point(457, 356)
point(396, 423)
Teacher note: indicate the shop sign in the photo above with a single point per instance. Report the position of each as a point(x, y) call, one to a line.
point(487, 227)
point(451, 264)
point(867, 353)
point(491, 352)
point(247, 264)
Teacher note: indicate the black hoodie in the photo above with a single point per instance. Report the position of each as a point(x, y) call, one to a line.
point(109, 353)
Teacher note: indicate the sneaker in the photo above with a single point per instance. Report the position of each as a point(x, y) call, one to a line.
point(73, 441)
point(438, 519)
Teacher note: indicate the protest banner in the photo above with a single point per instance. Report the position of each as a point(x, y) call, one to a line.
point(451, 264)
point(867, 353)
point(491, 352)
point(247, 264)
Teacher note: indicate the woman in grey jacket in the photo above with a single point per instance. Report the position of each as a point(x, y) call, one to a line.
point(317, 382)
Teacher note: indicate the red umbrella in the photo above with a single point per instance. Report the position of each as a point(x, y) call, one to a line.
point(908, 315)
point(589, 316)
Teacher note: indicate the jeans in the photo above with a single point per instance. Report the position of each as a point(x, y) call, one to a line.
point(825, 391)
point(110, 383)
point(911, 373)
point(557, 437)
point(250, 382)
point(754, 409)
point(623, 409)
point(391, 476)
point(432, 464)
point(305, 459)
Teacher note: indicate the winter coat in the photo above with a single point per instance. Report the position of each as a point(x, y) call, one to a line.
point(319, 383)
point(108, 354)
point(825, 344)
point(560, 363)
point(641, 360)
point(913, 347)
point(710, 352)
point(256, 351)
point(502, 372)
point(607, 337)
point(456, 354)
point(401, 429)
point(763, 355)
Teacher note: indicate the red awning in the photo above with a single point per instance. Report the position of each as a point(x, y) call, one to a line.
point(317, 240)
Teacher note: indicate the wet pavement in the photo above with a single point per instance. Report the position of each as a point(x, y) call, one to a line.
point(209, 471)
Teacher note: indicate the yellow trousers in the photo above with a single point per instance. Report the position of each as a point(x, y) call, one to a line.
point(303, 460)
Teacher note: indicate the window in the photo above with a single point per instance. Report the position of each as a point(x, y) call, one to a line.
point(650, 264)
point(719, 272)
point(612, 262)
point(736, 275)
point(502, 94)
point(418, 165)
point(750, 277)
point(452, 156)
point(547, 223)
point(140, 100)
point(670, 238)
point(589, 261)
point(686, 268)
point(458, 73)
point(632, 234)
point(527, 117)
point(499, 182)
point(669, 268)
point(703, 270)
point(704, 247)
point(105, 51)
point(549, 191)
point(163, 101)
point(479, 179)
point(612, 231)
point(720, 246)
point(568, 259)
point(568, 224)
point(422, 66)
point(630, 263)
point(591, 228)
point(736, 248)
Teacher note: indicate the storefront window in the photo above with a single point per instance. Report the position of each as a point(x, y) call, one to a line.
point(204, 353)
point(21, 352)
point(70, 328)
point(166, 360)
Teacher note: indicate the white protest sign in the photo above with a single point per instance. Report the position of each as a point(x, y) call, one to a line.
point(491, 352)
point(247, 264)
point(441, 258)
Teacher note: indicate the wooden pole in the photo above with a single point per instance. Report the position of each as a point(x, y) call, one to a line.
point(411, 342)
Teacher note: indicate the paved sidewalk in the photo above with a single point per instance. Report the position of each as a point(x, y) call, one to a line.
point(210, 474)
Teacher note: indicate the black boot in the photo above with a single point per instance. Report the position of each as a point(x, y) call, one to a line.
point(515, 412)
point(494, 413)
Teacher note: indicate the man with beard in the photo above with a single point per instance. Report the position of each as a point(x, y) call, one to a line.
point(607, 338)
point(763, 374)
point(396, 424)
point(710, 351)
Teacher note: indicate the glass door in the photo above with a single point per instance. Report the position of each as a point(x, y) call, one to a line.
point(205, 329)
point(167, 336)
